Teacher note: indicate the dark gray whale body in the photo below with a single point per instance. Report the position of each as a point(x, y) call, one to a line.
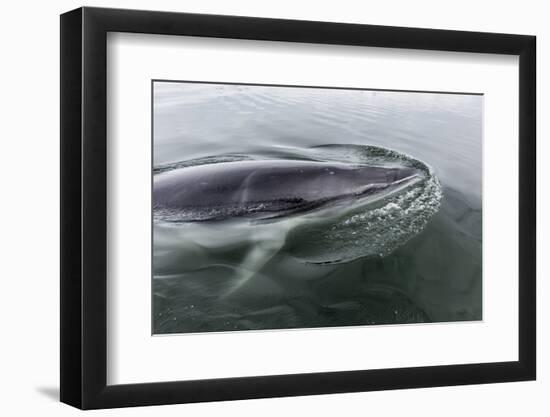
point(266, 189)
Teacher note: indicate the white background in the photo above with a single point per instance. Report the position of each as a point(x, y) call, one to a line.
point(29, 307)
point(134, 356)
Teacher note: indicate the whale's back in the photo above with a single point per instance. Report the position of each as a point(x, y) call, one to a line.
point(234, 189)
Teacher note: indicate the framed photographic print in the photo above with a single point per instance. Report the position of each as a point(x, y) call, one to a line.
point(258, 207)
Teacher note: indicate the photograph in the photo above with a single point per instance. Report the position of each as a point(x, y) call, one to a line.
point(275, 204)
point(301, 207)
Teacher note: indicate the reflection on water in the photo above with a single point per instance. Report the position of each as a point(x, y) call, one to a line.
point(211, 278)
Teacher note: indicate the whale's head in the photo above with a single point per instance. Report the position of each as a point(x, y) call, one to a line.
point(376, 180)
point(270, 189)
point(400, 174)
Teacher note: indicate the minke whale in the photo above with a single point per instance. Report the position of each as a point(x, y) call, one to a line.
point(269, 189)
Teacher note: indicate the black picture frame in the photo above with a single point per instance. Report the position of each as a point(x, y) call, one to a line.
point(84, 207)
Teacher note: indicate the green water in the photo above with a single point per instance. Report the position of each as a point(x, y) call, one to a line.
point(217, 277)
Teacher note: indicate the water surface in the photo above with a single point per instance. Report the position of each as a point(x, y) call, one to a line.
point(217, 278)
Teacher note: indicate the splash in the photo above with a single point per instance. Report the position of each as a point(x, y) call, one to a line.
point(372, 229)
